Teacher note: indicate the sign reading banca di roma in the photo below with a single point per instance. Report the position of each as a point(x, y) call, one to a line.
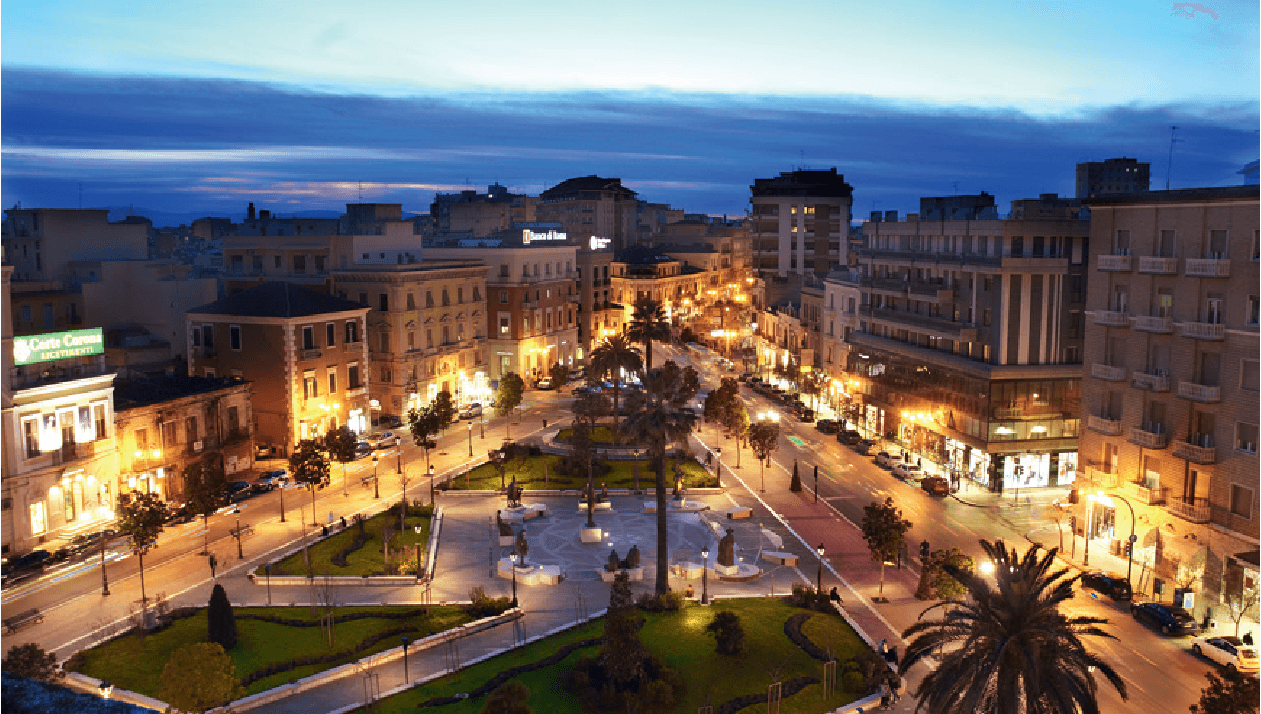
point(58, 345)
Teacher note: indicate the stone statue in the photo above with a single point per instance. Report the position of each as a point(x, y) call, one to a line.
point(632, 557)
point(588, 492)
point(678, 483)
point(514, 494)
point(604, 492)
point(613, 564)
point(522, 547)
point(727, 549)
point(504, 528)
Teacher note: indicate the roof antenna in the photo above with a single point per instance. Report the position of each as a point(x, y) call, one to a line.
point(361, 191)
point(1169, 170)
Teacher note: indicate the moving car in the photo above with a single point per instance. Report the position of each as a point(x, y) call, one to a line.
point(474, 410)
point(863, 446)
point(1228, 651)
point(270, 481)
point(362, 449)
point(805, 414)
point(384, 440)
point(887, 460)
point(827, 426)
point(849, 437)
point(1110, 584)
point(1166, 618)
point(178, 513)
point(935, 486)
point(908, 472)
point(239, 491)
point(544, 384)
point(26, 566)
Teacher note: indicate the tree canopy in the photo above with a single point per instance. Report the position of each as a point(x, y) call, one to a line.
point(198, 677)
point(648, 322)
point(31, 661)
point(308, 464)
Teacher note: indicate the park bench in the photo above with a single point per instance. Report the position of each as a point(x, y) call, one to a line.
point(22, 619)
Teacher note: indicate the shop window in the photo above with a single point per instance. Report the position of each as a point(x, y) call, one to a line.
point(39, 519)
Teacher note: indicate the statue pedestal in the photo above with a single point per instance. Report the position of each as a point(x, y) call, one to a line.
point(739, 512)
point(726, 570)
point(636, 574)
point(779, 558)
point(523, 513)
point(506, 540)
point(600, 507)
point(688, 570)
point(591, 535)
point(530, 574)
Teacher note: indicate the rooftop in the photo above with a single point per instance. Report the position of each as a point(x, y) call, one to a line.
point(277, 299)
point(143, 391)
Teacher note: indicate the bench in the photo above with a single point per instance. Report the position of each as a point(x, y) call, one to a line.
point(22, 619)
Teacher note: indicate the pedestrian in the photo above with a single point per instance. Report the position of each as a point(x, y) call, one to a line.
point(895, 684)
point(1247, 638)
point(919, 463)
point(834, 596)
point(343, 523)
point(882, 648)
point(213, 562)
point(891, 656)
point(886, 695)
point(545, 423)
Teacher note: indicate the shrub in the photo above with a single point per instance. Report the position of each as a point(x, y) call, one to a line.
point(508, 698)
point(220, 621)
point(31, 661)
point(730, 635)
point(853, 682)
point(669, 602)
point(482, 605)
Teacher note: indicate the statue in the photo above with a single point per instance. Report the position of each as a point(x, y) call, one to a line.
point(504, 528)
point(522, 547)
point(678, 483)
point(514, 494)
point(632, 557)
point(727, 549)
point(613, 564)
point(604, 492)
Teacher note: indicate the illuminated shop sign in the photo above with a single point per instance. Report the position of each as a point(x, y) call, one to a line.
point(599, 243)
point(59, 345)
point(528, 235)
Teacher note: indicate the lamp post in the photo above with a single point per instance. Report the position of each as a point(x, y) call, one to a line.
point(1129, 567)
point(705, 575)
point(239, 553)
point(105, 688)
point(431, 487)
point(513, 558)
point(376, 482)
point(820, 551)
point(1090, 511)
point(104, 577)
point(470, 439)
point(816, 483)
point(267, 572)
point(482, 425)
point(405, 678)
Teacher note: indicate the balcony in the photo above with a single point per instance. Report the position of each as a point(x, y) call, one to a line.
point(1150, 382)
point(311, 354)
point(1100, 478)
point(1153, 323)
point(1141, 493)
point(1195, 510)
point(937, 326)
point(1204, 330)
point(1112, 319)
point(1107, 372)
point(1203, 393)
point(1123, 263)
point(1153, 265)
point(1192, 452)
point(1208, 268)
point(1104, 425)
point(1152, 436)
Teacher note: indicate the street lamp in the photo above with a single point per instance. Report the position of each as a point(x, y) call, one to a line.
point(104, 577)
point(1129, 567)
point(470, 439)
point(106, 689)
point(239, 553)
point(376, 482)
point(513, 558)
point(405, 679)
point(267, 572)
point(820, 551)
point(705, 575)
point(431, 487)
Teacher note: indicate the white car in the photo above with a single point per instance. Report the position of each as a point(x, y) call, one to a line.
point(1229, 652)
point(384, 440)
point(908, 472)
point(472, 411)
point(887, 460)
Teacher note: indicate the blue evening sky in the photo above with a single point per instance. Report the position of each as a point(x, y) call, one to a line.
point(200, 107)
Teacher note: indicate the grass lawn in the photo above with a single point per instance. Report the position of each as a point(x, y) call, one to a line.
point(136, 664)
point(621, 475)
point(600, 435)
point(680, 639)
point(369, 559)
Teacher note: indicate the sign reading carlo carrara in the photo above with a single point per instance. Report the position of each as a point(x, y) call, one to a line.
point(58, 345)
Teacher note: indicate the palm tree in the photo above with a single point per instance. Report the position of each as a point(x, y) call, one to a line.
point(609, 359)
point(1009, 649)
point(648, 322)
point(658, 418)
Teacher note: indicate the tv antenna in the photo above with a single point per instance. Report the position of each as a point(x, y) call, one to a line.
point(1169, 167)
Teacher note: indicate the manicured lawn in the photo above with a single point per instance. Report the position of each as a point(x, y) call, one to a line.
point(621, 475)
point(680, 639)
point(600, 435)
point(133, 663)
point(369, 559)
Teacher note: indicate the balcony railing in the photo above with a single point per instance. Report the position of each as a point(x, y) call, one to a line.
point(1143, 494)
point(1149, 437)
point(1153, 323)
point(1199, 392)
point(1204, 330)
point(1108, 372)
point(1154, 265)
point(1150, 382)
point(1193, 452)
point(1116, 262)
point(311, 354)
point(1104, 425)
point(1112, 318)
point(1195, 510)
point(1208, 268)
point(1099, 478)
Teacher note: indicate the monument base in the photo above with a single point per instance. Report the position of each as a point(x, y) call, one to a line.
point(591, 535)
point(636, 574)
point(600, 507)
point(530, 574)
point(523, 513)
point(506, 540)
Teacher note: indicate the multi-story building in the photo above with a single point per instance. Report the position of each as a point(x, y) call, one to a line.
point(598, 315)
point(1113, 176)
point(40, 243)
point(165, 423)
point(969, 343)
point(60, 457)
point(1171, 379)
point(303, 350)
point(591, 206)
point(800, 223)
point(531, 299)
point(426, 330)
point(481, 214)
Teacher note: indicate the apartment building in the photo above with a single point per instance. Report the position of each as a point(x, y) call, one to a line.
point(591, 206)
point(598, 314)
point(968, 347)
point(426, 331)
point(40, 243)
point(1113, 176)
point(481, 214)
point(1171, 379)
point(304, 351)
point(800, 223)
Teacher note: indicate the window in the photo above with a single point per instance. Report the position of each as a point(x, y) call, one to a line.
point(383, 302)
point(411, 301)
point(985, 316)
point(446, 334)
point(385, 340)
point(26, 313)
point(276, 262)
point(299, 264)
point(256, 263)
point(208, 336)
point(310, 388)
point(234, 420)
point(30, 436)
point(142, 439)
point(503, 297)
point(1241, 501)
point(308, 337)
point(352, 332)
point(446, 298)
point(1217, 242)
point(98, 418)
point(428, 298)
point(332, 380)
point(1254, 310)
point(330, 335)
point(234, 336)
point(428, 337)
point(363, 298)
point(411, 339)
point(1250, 375)
point(459, 296)
point(190, 429)
point(503, 271)
point(352, 371)
point(477, 295)
point(1246, 437)
point(503, 325)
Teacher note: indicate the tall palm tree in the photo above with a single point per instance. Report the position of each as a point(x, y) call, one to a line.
point(1009, 649)
point(609, 359)
point(658, 419)
point(648, 322)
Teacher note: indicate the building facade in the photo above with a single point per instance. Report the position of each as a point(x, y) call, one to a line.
point(800, 223)
point(591, 206)
point(304, 351)
point(1113, 176)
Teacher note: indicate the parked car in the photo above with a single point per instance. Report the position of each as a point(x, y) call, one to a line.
point(239, 491)
point(887, 460)
point(1110, 584)
point(389, 421)
point(576, 374)
point(804, 414)
point(265, 451)
point(863, 446)
point(270, 481)
point(935, 486)
point(362, 449)
point(827, 426)
point(908, 472)
point(384, 440)
point(1169, 620)
point(848, 437)
point(178, 512)
point(1228, 651)
point(474, 410)
point(544, 384)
